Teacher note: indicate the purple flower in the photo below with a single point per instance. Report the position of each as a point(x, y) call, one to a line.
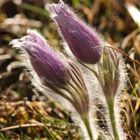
point(46, 62)
point(82, 40)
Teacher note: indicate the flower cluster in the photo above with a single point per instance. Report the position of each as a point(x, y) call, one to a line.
point(65, 78)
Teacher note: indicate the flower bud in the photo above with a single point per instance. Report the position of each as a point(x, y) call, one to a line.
point(47, 63)
point(84, 42)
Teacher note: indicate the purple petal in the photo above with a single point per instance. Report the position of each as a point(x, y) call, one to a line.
point(82, 40)
point(46, 62)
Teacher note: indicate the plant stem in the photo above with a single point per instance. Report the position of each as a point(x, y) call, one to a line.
point(110, 103)
point(88, 127)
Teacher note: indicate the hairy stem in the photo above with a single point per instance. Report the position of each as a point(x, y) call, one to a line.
point(86, 121)
point(110, 103)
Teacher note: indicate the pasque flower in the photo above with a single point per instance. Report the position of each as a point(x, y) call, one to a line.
point(45, 61)
point(52, 70)
point(84, 42)
point(60, 75)
point(87, 46)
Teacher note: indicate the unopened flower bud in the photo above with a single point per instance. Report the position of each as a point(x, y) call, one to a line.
point(45, 61)
point(84, 42)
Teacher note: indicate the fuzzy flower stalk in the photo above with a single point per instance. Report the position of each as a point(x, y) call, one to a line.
point(89, 48)
point(111, 74)
point(49, 69)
